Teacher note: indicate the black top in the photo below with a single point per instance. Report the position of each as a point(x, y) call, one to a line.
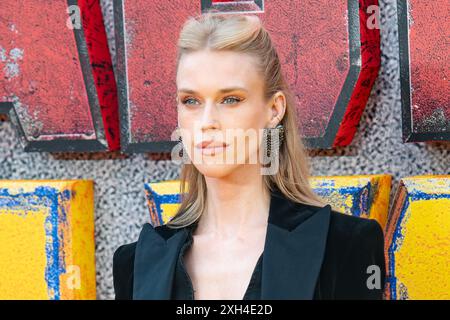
point(183, 288)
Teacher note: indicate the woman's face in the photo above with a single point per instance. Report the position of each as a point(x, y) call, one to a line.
point(221, 101)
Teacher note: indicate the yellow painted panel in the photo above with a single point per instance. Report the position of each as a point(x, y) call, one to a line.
point(169, 210)
point(22, 251)
point(166, 187)
point(418, 239)
point(57, 249)
point(424, 255)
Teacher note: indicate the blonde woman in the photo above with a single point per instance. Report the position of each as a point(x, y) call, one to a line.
point(249, 225)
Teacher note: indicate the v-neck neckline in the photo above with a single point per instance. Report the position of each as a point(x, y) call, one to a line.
point(188, 243)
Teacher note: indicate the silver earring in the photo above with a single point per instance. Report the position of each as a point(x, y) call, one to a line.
point(177, 129)
point(182, 152)
point(272, 147)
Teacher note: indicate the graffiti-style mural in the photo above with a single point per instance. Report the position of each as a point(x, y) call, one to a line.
point(331, 58)
point(47, 240)
point(57, 80)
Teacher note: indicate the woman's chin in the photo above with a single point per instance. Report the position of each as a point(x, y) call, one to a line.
point(215, 170)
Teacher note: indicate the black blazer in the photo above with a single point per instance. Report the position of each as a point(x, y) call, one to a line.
point(310, 253)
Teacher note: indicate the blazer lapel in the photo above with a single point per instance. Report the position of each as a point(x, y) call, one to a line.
point(294, 249)
point(293, 253)
point(155, 261)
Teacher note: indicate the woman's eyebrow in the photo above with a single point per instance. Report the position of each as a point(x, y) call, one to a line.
point(232, 89)
point(224, 90)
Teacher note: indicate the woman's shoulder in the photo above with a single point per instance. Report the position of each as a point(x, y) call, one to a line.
point(123, 257)
point(345, 227)
point(355, 257)
point(123, 266)
point(124, 254)
point(123, 261)
point(354, 241)
point(350, 228)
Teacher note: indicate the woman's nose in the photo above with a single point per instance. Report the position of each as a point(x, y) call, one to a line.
point(210, 116)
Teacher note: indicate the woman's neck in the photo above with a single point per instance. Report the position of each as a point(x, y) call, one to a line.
point(235, 205)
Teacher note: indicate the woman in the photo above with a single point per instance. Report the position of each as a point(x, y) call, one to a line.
point(246, 229)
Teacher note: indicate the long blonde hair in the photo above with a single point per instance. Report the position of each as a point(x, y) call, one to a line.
point(245, 34)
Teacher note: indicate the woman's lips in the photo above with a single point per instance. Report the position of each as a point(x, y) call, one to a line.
point(210, 148)
point(213, 150)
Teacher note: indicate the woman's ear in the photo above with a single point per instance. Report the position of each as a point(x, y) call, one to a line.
point(278, 108)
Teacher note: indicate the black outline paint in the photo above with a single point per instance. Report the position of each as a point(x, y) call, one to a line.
point(207, 4)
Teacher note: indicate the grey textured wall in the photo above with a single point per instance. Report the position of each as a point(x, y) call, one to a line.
point(120, 208)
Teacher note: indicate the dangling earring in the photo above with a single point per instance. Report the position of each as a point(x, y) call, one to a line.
point(182, 152)
point(180, 139)
point(272, 148)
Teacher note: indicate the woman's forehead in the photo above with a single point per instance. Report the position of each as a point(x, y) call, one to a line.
point(223, 68)
point(220, 61)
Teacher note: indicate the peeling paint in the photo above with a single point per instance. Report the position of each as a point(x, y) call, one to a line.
point(63, 78)
point(31, 127)
point(11, 68)
point(2, 54)
point(12, 27)
point(16, 53)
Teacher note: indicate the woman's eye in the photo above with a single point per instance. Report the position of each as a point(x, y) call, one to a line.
point(227, 100)
point(231, 100)
point(189, 101)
